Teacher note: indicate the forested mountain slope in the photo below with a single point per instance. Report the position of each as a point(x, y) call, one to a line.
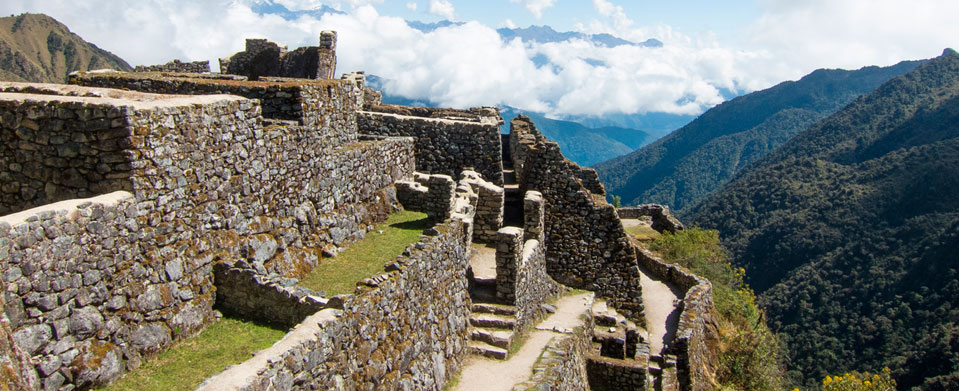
point(684, 167)
point(850, 232)
point(37, 48)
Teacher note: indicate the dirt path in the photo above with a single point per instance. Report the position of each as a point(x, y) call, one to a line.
point(486, 374)
point(662, 318)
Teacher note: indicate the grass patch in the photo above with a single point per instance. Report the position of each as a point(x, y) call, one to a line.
point(188, 362)
point(367, 257)
point(643, 232)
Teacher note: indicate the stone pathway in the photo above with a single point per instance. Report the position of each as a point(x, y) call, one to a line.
point(485, 374)
point(662, 317)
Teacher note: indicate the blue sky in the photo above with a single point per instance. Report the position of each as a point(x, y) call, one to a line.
point(710, 47)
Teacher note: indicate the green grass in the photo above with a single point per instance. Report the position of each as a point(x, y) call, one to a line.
point(188, 362)
point(642, 232)
point(367, 257)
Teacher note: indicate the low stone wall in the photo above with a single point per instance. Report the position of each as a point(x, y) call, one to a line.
point(610, 374)
point(430, 194)
point(270, 299)
point(384, 337)
point(326, 106)
point(176, 66)
point(586, 245)
point(563, 366)
point(444, 146)
point(662, 220)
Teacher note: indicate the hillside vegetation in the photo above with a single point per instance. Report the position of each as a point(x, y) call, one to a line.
point(850, 233)
point(682, 168)
point(37, 48)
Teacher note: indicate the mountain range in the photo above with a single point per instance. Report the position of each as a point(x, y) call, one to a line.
point(849, 232)
point(685, 166)
point(36, 47)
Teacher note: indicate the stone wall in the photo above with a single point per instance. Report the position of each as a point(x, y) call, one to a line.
point(489, 208)
point(93, 290)
point(430, 194)
point(385, 336)
point(267, 298)
point(51, 152)
point(16, 371)
point(264, 58)
point(521, 277)
point(328, 105)
point(177, 67)
point(586, 245)
point(661, 219)
point(610, 374)
point(444, 146)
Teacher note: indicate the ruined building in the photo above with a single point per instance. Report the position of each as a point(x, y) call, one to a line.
point(136, 205)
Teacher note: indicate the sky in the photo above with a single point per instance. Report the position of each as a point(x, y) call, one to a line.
point(711, 49)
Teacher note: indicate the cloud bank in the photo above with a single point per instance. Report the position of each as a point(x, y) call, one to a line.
point(470, 65)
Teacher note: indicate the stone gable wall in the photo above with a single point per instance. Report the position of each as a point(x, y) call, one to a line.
point(443, 146)
point(586, 245)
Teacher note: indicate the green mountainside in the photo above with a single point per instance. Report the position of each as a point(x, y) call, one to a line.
point(850, 233)
point(685, 166)
point(583, 145)
point(37, 48)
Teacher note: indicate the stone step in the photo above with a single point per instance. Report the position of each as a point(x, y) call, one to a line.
point(491, 308)
point(487, 350)
point(492, 321)
point(481, 293)
point(496, 337)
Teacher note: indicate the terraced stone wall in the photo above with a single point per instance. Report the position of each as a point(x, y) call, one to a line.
point(385, 336)
point(94, 286)
point(449, 143)
point(586, 245)
point(659, 216)
point(327, 106)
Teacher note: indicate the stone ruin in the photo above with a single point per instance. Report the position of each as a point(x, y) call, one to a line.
point(137, 206)
point(265, 58)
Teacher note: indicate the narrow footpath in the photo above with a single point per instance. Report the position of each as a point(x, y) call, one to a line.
point(662, 316)
point(486, 374)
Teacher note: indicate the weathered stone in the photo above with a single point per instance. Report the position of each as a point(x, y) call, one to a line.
point(85, 322)
point(32, 338)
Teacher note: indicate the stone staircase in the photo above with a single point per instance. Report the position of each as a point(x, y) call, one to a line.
point(491, 324)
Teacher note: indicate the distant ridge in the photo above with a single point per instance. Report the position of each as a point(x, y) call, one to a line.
point(683, 167)
point(37, 48)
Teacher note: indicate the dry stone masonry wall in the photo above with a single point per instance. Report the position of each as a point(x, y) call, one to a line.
point(443, 145)
point(176, 66)
point(586, 245)
point(328, 105)
point(384, 336)
point(91, 291)
point(264, 58)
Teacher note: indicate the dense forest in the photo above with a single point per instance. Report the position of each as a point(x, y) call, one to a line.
point(682, 168)
point(37, 48)
point(850, 233)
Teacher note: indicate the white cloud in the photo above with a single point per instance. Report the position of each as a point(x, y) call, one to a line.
point(805, 35)
point(536, 7)
point(443, 9)
point(508, 23)
point(614, 13)
point(411, 6)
